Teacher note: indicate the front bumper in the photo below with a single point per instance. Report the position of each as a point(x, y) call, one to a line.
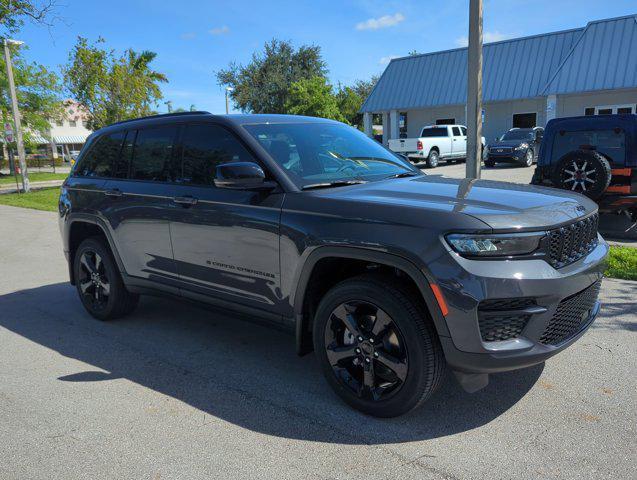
point(475, 281)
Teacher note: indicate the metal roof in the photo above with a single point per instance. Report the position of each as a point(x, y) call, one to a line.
point(514, 69)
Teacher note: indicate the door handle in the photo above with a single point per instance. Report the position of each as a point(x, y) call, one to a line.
point(114, 192)
point(186, 201)
point(455, 140)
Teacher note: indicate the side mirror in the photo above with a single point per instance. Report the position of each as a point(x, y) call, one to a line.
point(538, 136)
point(242, 176)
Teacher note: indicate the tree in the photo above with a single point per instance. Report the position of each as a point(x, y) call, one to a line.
point(263, 85)
point(13, 13)
point(351, 99)
point(38, 91)
point(111, 87)
point(313, 97)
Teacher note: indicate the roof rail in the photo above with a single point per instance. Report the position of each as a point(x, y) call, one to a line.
point(164, 115)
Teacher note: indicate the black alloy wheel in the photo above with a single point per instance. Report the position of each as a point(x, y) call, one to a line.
point(366, 350)
point(377, 345)
point(93, 280)
point(99, 283)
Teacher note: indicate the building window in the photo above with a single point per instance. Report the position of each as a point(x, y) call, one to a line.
point(524, 120)
point(72, 123)
point(59, 123)
point(610, 109)
point(446, 121)
point(402, 124)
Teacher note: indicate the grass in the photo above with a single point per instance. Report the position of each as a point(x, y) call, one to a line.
point(622, 263)
point(44, 199)
point(33, 177)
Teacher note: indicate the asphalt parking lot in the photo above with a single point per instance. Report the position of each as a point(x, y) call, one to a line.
point(177, 391)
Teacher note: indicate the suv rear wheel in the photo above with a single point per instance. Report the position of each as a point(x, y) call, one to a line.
point(528, 158)
point(99, 283)
point(377, 346)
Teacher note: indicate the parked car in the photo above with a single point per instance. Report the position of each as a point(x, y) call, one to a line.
point(435, 143)
point(519, 146)
point(595, 156)
point(388, 274)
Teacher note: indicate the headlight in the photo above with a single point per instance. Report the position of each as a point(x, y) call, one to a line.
point(496, 245)
point(522, 146)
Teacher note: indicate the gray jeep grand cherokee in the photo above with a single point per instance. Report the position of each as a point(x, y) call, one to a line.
point(388, 274)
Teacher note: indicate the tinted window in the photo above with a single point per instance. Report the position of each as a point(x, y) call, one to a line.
point(464, 131)
point(205, 147)
point(518, 134)
point(99, 160)
point(610, 143)
point(456, 132)
point(153, 153)
point(120, 170)
point(434, 132)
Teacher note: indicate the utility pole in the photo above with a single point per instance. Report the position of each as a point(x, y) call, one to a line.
point(16, 114)
point(474, 90)
point(228, 90)
point(169, 105)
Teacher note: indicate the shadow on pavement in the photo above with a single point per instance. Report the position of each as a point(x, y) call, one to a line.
point(235, 370)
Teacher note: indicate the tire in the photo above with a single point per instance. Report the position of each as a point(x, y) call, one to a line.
point(411, 338)
point(583, 171)
point(489, 163)
point(433, 159)
point(528, 158)
point(104, 303)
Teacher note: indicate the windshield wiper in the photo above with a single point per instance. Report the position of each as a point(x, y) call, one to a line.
point(403, 175)
point(337, 183)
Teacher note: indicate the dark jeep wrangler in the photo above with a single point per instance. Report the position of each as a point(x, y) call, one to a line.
point(595, 156)
point(389, 275)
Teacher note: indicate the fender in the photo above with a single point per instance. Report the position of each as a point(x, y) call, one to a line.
point(94, 220)
point(421, 278)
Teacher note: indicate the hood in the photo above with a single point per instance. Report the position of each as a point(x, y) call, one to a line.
point(501, 205)
point(509, 143)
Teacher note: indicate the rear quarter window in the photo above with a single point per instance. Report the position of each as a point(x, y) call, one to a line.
point(101, 157)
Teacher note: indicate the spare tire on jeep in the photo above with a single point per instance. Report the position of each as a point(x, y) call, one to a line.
point(583, 171)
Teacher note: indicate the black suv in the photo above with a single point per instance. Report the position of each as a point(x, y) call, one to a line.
point(387, 274)
point(594, 155)
point(519, 146)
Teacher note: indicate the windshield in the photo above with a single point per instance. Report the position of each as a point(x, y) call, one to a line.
point(313, 153)
point(518, 135)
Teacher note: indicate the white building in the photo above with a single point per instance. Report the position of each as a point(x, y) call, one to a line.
point(526, 81)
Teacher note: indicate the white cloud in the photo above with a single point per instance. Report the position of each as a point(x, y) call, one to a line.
point(381, 22)
point(487, 37)
point(387, 59)
point(188, 35)
point(219, 30)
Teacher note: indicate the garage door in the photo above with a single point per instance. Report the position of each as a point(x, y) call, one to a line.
point(524, 120)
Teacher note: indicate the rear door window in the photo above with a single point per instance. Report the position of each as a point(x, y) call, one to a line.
point(152, 154)
point(100, 159)
point(610, 143)
point(204, 146)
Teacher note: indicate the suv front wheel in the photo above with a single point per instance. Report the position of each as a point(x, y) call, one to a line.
point(377, 346)
point(99, 283)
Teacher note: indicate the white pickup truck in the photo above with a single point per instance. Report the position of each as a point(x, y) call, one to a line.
point(436, 142)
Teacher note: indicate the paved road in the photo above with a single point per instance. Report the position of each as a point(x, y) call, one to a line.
point(502, 172)
point(176, 391)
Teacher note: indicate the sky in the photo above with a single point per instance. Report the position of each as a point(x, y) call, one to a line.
point(196, 38)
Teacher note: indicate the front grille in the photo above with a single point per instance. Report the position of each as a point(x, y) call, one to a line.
point(499, 150)
point(571, 315)
point(498, 319)
point(571, 242)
